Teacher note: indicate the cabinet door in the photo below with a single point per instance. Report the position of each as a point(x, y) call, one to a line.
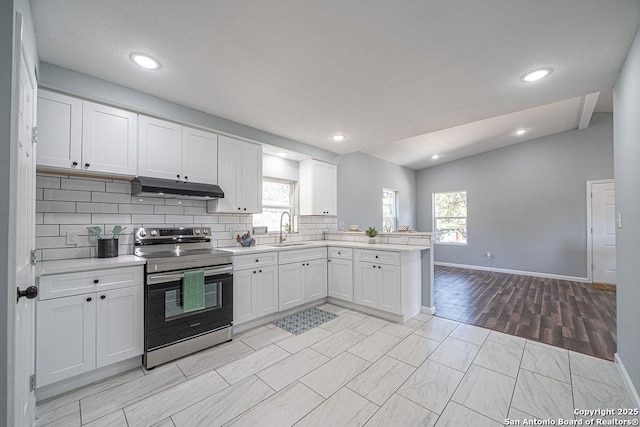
point(229, 175)
point(317, 193)
point(315, 279)
point(244, 298)
point(119, 325)
point(290, 286)
point(199, 156)
point(389, 289)
point(109, 139)
point(251, 183)
point(59, 130)
point(365, 284)
point(340, 272)
point(65, 338)
point(329, 189)
point(266, 291)
point(159, 148)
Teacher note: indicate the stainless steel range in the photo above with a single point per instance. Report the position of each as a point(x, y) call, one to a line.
point(170, 331)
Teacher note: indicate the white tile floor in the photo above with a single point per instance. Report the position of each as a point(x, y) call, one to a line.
point(353, 370)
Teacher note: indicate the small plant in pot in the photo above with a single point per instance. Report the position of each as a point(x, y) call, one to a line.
point(107, 243)
point(372, 233)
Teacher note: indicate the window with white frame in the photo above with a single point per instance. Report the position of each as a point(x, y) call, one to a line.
point(389, 210)
point(450, 217)
point(278, 196)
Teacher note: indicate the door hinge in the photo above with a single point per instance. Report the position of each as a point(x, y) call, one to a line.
point(33, 257)
point(34, 135)
point(32, 382)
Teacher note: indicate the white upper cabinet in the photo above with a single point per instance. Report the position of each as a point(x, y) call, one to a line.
point(159, 148)
point(109, 139)
point(60, 130)
point(239, 177)
point(79, 135)
point(318, 188)
point(171, 151)
point(199, 156)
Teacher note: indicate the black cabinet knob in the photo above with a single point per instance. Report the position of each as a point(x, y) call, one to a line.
point(89, 299)
point(74, 164)
point(257, 260)
point(239, 208)
point(245, 209)
point(103, 296)
point(254, 272)
point(96, 281)
point(86, 165)
point(328, 260)
point(376, 256)
point(31, 292)
point(374, 266)
point(260, 271)
point(379, 267)
point(186, 177)
point(178, 176)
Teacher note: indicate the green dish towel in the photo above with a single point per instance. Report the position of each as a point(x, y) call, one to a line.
point(193, 290)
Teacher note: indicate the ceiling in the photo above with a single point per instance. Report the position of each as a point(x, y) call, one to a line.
point(401, 79)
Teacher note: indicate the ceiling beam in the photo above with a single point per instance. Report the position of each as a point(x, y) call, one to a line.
point(587, 109)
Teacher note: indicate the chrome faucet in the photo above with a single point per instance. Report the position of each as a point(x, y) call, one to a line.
point(284, 238)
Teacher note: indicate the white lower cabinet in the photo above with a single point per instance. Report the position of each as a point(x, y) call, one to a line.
point(255, 289)
point(76, 334)
point(340, 278)
point(302, 277)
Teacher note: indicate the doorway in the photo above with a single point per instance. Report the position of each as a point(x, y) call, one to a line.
point(601, 232)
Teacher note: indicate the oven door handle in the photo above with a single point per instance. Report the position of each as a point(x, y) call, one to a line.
point(154, 279)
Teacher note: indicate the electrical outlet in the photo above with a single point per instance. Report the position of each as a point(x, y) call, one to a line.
point(72, 238)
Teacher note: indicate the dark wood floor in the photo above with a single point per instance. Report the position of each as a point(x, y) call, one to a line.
point(571, 315)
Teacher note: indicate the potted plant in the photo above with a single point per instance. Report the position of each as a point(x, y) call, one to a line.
point(372, 233)
point(107, 243)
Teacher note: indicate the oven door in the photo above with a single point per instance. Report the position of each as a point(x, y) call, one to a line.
point(165, 320)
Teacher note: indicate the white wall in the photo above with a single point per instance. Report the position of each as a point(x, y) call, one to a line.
point(526, 202)
point(626, 109)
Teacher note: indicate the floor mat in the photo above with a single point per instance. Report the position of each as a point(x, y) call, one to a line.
point(304, 320)
point(604, 287)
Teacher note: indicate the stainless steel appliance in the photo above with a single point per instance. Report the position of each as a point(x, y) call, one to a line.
point(170, 332)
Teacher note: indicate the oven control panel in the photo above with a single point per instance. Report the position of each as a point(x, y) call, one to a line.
point(170, 235)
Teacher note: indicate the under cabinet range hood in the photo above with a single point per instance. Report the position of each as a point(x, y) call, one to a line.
point(153, 187)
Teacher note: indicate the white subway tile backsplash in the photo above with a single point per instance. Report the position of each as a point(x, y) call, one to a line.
point(195, 210)
point(43, 181)
point(81, 184)
point(148, 219)
point(110, 219)
point(66, 218)
point(178, 202)
point(47, 230)
point(228, 219)
point(52, 206)
point(124, 208)
point(39, 218)
point(86, 207)
point(119, 187)
point(39, 194)
point(81, 229)
point(67, 195)
point(206, 219)
point(183, 219)
point(147, 201)
point(50, 242)
point(67, 253)
point(110, 197)
point(173, 210)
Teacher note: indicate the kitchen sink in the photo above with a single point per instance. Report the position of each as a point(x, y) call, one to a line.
point(283, 245)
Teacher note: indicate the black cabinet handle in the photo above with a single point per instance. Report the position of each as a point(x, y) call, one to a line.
point(74, 164)
point(245, 209)
point(379, 267)
point(260, 271)
point(239, 208)
point(328, 260)
point(186, 177)
point(31, 292)
point(103, 296)
point(376, 256)
point(254, 272)
point(86, 165)
point(257, 260)
point(178, 176)
point(89, 299)
point(96, 281)
point(374, 266)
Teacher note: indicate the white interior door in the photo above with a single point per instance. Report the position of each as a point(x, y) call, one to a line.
point(24, 222)
point(603, 225)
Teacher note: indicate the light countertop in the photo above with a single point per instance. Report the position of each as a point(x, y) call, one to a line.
point(238, 250)
point(86, 264)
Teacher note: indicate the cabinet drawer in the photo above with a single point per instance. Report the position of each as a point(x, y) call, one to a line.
point(300, 255)
point(62, 285)
point(242, 262)
point(342, 253)
point(381, 257)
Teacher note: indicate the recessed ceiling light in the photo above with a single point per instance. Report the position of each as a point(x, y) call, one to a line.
point(435, 156)
point(338, 137)
point(536, 75)
point(520, 132)
point(283, 154)
point(145, 61)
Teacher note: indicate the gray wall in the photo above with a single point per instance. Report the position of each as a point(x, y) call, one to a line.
point(626, 109)
point(72, 82)
point(361, 178)
point(526, 202)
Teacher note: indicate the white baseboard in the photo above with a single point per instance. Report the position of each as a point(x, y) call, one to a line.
point(522, 273)
point(428, 310)
point(626, 379)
